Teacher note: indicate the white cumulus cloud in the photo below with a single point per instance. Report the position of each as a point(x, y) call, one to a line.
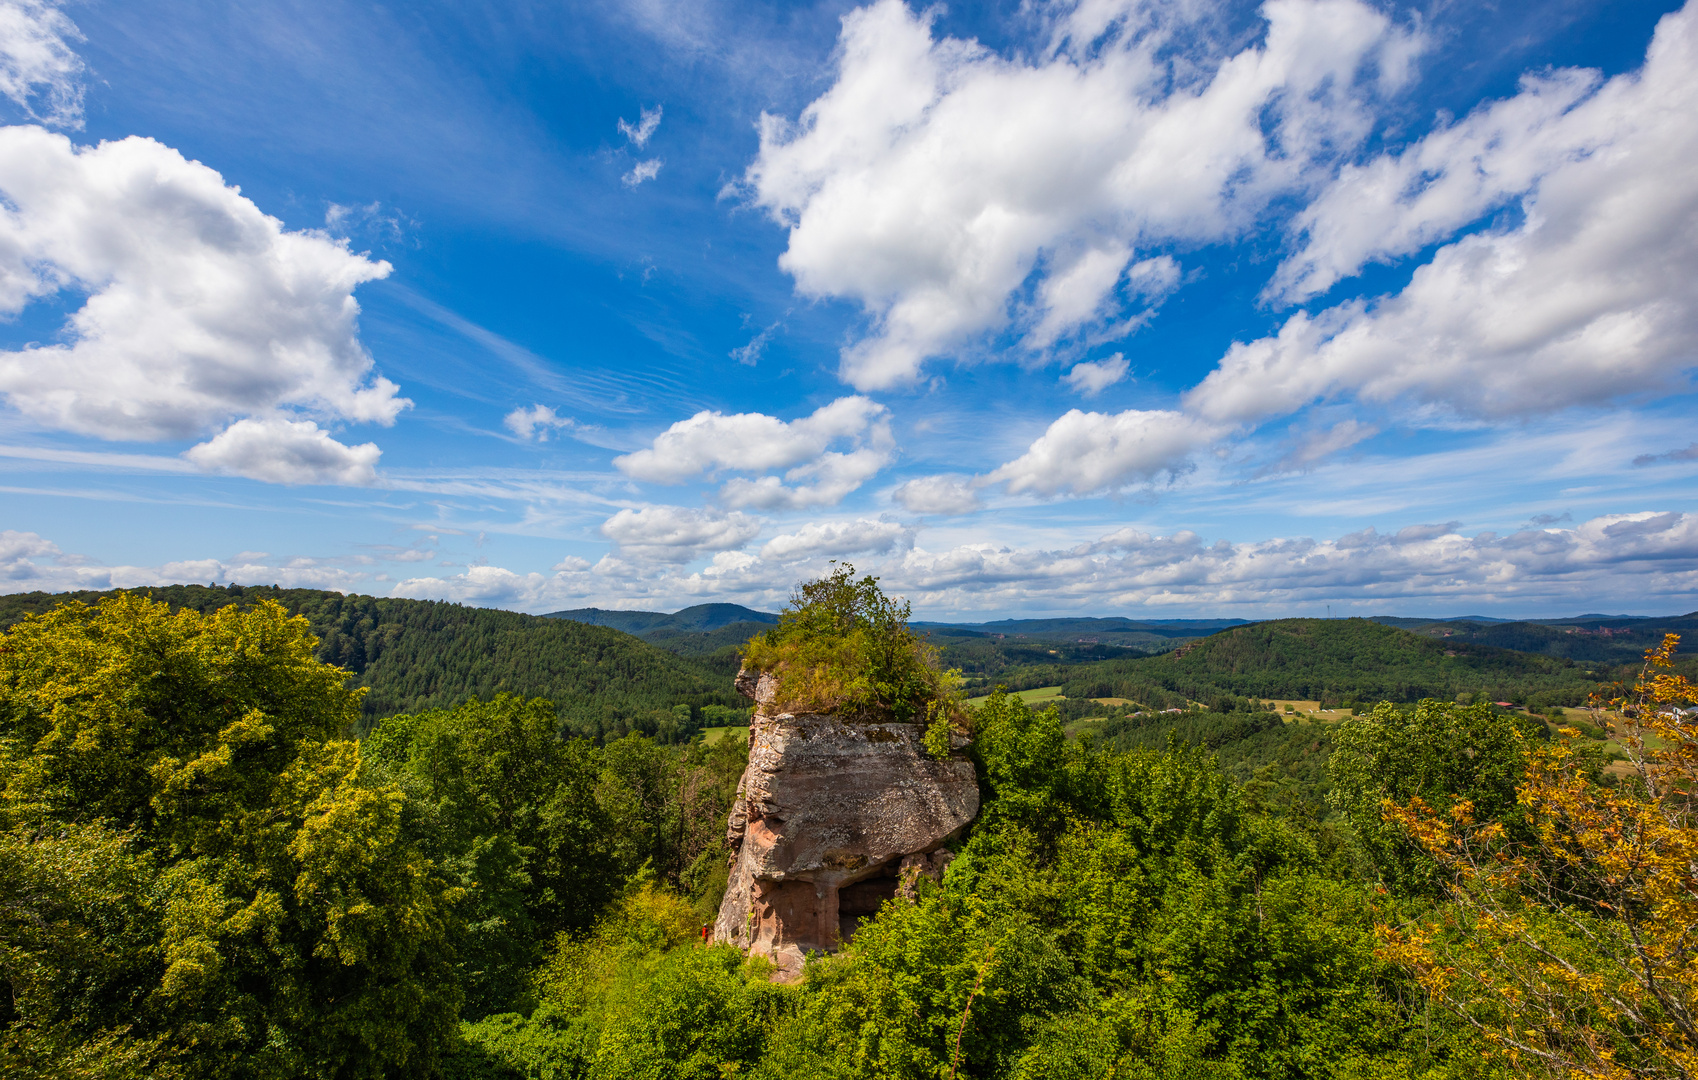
point(1396, 204)
point(29, 562)
point(536, 422)
point(1650, 556)
point(1083, 453)
point(1647, 558)
point(711, 442)
point(19, 552)
point(496, 586)
point(286, 452)
point(945, 494)
point(677, 534)
point(200, 307)
point(935, 176)
point(1593, 295)
point(826, 538)
point(1645, 554)
point(1092, 377)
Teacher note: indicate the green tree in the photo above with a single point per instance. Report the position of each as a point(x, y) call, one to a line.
point(638, 996)
point(415, 655)
point(70, 932)
point(510, 810)
point(248, 892)
point(1440, 752)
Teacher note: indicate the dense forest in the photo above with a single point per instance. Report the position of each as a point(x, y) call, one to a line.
point(1585, 640)
point(418, 654)
point(204, 874)
point(1333, 660)
point(1337, 661)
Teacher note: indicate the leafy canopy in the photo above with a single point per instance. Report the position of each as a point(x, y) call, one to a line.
point(200, 876)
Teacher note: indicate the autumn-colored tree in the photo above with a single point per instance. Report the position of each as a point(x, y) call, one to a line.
point(1572, 949)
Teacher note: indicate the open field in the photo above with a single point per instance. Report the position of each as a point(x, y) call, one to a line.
point(714, 734)
point(1030, 697)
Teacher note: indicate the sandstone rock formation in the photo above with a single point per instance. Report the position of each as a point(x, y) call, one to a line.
point(833, 816)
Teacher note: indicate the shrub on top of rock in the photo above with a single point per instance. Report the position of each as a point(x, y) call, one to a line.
point(843, 646)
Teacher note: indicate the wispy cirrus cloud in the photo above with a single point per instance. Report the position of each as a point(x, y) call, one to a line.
point(40, 72)
point(648, 120)
point(641, 171)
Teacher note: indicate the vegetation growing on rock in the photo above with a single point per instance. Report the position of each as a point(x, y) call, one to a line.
point(843, 646)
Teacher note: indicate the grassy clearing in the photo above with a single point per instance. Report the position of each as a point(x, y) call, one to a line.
point(714, 734)
point(1030, 697)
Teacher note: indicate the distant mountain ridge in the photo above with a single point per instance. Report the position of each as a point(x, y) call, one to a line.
point(1406, 621)
point(712, 633)
point(702, 617)
point(1087, 625)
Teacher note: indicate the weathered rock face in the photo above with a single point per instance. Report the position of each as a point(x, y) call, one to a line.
point(833, 817)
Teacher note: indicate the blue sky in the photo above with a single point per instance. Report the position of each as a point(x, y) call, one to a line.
point(1150, 309)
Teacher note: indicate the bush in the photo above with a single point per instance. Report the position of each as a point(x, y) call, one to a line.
point(637, 997)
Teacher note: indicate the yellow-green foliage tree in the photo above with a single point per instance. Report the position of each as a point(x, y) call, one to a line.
point(842, 645)
point(198, 876)
point(1573, 952)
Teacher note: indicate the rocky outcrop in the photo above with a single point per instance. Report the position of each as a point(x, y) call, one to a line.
point(834, 816)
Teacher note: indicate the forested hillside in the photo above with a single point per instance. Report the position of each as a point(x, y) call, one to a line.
point(1336, 661)
point(418, 654)
point(1593, 640)
point(698, 619)
point(709, 633)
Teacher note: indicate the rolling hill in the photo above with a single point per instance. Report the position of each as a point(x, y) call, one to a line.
point(1335, 660)
point(709, 633)
point(701, 618)
point(420, 654)
point(1595, 639)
